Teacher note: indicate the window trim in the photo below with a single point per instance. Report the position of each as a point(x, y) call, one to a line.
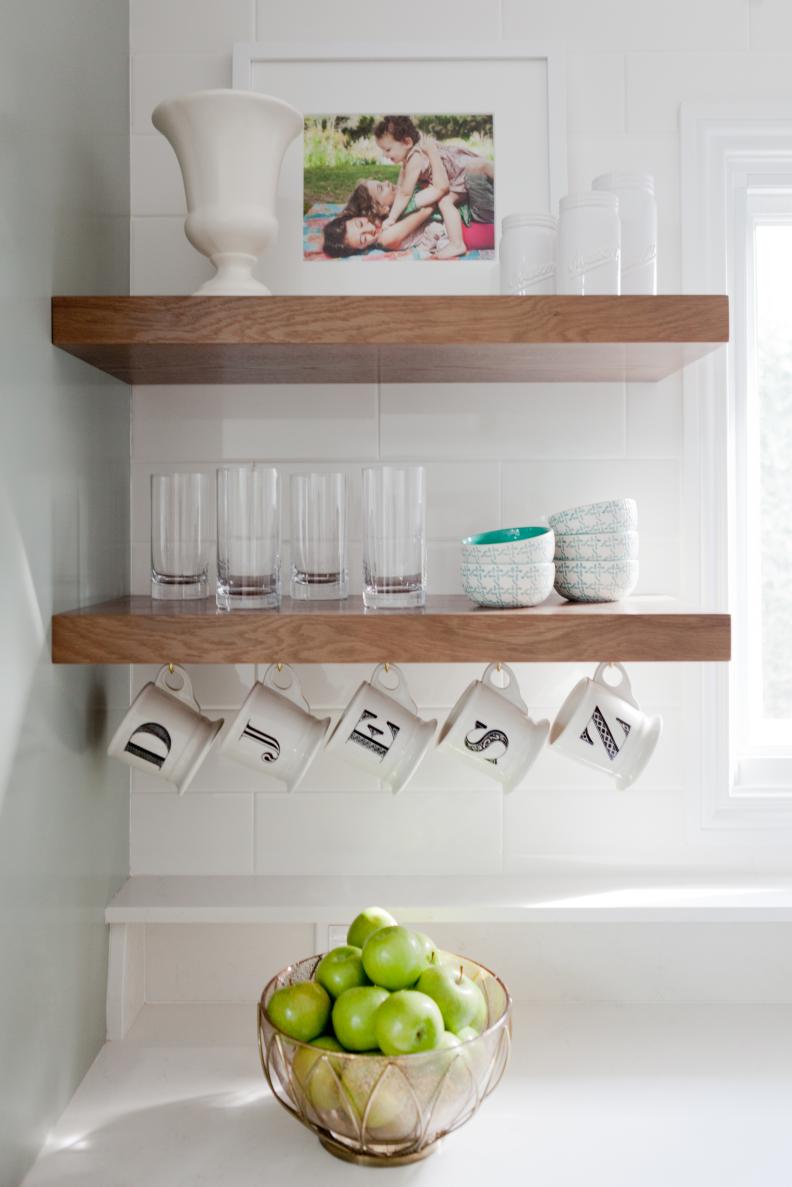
point(722, 147)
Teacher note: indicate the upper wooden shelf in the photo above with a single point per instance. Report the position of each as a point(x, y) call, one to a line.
point(449, 630)
point(163, 340)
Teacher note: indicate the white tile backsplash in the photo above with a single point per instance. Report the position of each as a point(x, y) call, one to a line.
point(595, 92)
point(189, 26)
point(157, 76)
point(770, 24)
point(627, 24)
point(191, 834)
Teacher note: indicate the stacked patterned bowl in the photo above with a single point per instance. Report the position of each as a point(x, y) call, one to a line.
point(508, 568)
point(596, 551)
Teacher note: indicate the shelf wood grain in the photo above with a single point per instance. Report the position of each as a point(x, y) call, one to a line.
point(449, 630)
point(169, 340)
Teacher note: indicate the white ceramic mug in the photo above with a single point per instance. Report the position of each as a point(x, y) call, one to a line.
point(601, 725)
point(489, 727)
point(164, 732)
point(380, 729)
point(275, 732)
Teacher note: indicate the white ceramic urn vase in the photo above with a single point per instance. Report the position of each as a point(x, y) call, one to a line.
point(230, 147)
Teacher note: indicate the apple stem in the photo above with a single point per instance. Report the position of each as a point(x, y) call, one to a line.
point(461, 975)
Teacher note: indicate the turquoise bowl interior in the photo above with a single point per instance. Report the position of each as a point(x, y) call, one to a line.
point(506, 536)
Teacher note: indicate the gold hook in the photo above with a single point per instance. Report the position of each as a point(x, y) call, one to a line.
point(386, 666)
point(279, 667)
point(170, 669)
point(498, 666)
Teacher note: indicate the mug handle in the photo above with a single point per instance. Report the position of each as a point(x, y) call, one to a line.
point(511, 691)
point(292, 691)
point(400, 693)
point(184, 691)
point(623, 689)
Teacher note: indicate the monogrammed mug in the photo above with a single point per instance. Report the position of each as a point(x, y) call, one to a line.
point(164, 731)
point(601, 725)
point(381, 731)
point(489, 728)
point(274, 732)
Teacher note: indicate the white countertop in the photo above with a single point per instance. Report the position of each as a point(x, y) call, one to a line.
point(595, 1096)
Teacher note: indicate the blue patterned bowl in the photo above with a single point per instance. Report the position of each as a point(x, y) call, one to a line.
point(614, 515)
point(597, 546)
point(596, 581)
point(507, 586)
point(510, 546)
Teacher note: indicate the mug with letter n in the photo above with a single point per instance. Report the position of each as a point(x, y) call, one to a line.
point(164, 731)
point(601, 725)
point(274, 732)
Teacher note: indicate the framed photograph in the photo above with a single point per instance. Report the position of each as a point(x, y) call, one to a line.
point(398, 162)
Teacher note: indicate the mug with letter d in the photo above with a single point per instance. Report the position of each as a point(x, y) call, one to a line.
point(164, 731)
point(601, 725)
point(489, 727)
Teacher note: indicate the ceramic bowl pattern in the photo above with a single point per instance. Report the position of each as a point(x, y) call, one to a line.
point(510, 546)
point(385, 1110)
point(596, 581)
point(508, 586)
point(614, 515)
point(597, 546)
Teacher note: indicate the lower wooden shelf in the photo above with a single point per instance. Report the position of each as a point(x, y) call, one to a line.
point(449, 630)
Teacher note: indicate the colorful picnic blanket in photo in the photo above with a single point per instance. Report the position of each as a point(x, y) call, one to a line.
point(320, 214)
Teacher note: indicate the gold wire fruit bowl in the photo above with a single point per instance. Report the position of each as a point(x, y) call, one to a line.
point(385, 1110)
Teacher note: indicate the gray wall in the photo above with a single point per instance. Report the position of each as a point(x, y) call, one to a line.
point(64, 511)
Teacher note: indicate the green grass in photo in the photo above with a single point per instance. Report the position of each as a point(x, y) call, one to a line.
point(336, 183)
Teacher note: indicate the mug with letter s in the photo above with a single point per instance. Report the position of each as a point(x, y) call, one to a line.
point(490, 728)
point(275, 732)
point(380, 729)
point(601, 725)
point(164, 731)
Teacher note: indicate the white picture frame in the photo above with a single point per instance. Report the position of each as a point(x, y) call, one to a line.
point(523, 86)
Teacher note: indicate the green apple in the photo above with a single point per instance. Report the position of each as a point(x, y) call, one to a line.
point(448, 1040)
point(383, 1099)
point(467, 1033)
point(428, 947)
point(394, 957)
point(366, 923)
point(340, 969)
point(460, 1000)
point(317, 1074)
point(408, 1022)
point(353, 1016)
point(300, 1011)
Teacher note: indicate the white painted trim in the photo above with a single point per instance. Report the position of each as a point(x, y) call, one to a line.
point(717, 143)
point(247, 54)
point(126, 977)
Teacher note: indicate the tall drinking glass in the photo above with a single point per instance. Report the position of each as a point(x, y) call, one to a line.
point(179, 536)
point(318, 537)
point(394, 536)
point(248, 538)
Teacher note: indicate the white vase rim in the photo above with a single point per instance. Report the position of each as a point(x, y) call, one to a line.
point(228, 93)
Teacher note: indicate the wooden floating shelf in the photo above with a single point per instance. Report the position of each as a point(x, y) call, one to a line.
point(168, 340)
point(449, 630)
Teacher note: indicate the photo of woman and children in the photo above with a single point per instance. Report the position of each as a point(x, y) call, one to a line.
point(418, 187)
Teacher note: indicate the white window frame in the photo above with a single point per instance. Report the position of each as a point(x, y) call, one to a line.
point(727, 151)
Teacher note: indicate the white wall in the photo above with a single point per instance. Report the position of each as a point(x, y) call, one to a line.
point(495, 454)
point(64, 507)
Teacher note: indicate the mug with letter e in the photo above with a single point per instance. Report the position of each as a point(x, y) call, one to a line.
point(380, 729)
point(164, 731)
point(489, 727)
point(275, 732)
point(601, 725)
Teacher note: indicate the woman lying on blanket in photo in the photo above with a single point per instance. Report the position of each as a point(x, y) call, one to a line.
point(365, 221)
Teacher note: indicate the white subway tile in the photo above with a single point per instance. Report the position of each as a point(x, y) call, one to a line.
point(188, 26)
point(312, 21)
point(479, 420)
point(254, 422)
point(658, 83)
point(625, 24)
point(206, 963)
point(595, 92)
point(420, 833)
point(162, 262)
point(191, 834)
point(654, 418)
point(660, 566)
point(216, 686)
point(461, 498)
point(533, 490)
point(156, 180)
point(770, 24)
point(158, 76)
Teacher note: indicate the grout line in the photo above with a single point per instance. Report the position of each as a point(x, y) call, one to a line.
point(625, 80)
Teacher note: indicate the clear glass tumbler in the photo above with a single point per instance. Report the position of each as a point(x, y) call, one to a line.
point(394, 536)
point(179, 536)
point(248, 538)
point(318, 537)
